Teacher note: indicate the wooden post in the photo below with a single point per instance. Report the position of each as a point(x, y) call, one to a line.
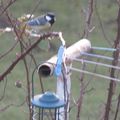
point(63, 91)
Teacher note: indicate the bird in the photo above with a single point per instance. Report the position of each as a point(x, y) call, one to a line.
point(28, 23)
point(41, 23)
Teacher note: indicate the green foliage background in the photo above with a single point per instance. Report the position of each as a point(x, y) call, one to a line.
point(71, 21)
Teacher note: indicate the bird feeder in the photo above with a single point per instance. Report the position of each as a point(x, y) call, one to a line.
point(74, 51)
point(46, 106)
point(63, 80)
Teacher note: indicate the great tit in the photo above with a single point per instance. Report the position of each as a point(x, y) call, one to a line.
point(34, 25)
point(41, 23)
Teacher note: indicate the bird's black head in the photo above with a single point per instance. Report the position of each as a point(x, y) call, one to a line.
point(51, 18)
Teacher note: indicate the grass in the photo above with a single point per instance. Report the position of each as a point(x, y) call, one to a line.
point(71, 21)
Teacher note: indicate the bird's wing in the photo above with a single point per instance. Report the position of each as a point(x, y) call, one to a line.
point(37, 21)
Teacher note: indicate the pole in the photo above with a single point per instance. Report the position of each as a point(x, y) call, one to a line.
point(47, 68)
point(63, 81)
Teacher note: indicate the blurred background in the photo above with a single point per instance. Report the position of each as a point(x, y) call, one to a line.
point(70, 20)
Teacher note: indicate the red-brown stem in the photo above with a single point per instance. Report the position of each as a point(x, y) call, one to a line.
point(117, 108)
point(112, 73)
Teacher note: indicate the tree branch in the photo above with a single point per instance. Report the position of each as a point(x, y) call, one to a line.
point(112, 73)
point(24, 53)
point(6, 7)
point(117, 108)
point(101, 25)
point(10, 105)
point(88, 15)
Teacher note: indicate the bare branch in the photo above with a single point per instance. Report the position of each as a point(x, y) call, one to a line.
point(10, 105)
point(117, 108)
point(6, 107)
point(28, 88)
point(88, 15)
point(101, 25)
point(83, 87)
point(112, 84)
point(24, 53)
point(4, 9)
point(4, 90)
point(118, 1)
point(82, 90)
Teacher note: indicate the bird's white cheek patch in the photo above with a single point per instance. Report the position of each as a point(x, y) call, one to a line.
point(48, 18)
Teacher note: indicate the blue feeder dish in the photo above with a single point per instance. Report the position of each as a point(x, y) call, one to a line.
point(48, 101)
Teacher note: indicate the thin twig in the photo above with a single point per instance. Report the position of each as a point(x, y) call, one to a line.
point(4, 9)
point(4, 90)
point(117, 108)
point(88, 15)
point(80, 100)
point(101, 25)
point(10, 105)
point(28, 82)
point(28, 89)
point(9, 50)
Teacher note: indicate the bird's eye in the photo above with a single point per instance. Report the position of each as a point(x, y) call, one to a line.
point(48, 18)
